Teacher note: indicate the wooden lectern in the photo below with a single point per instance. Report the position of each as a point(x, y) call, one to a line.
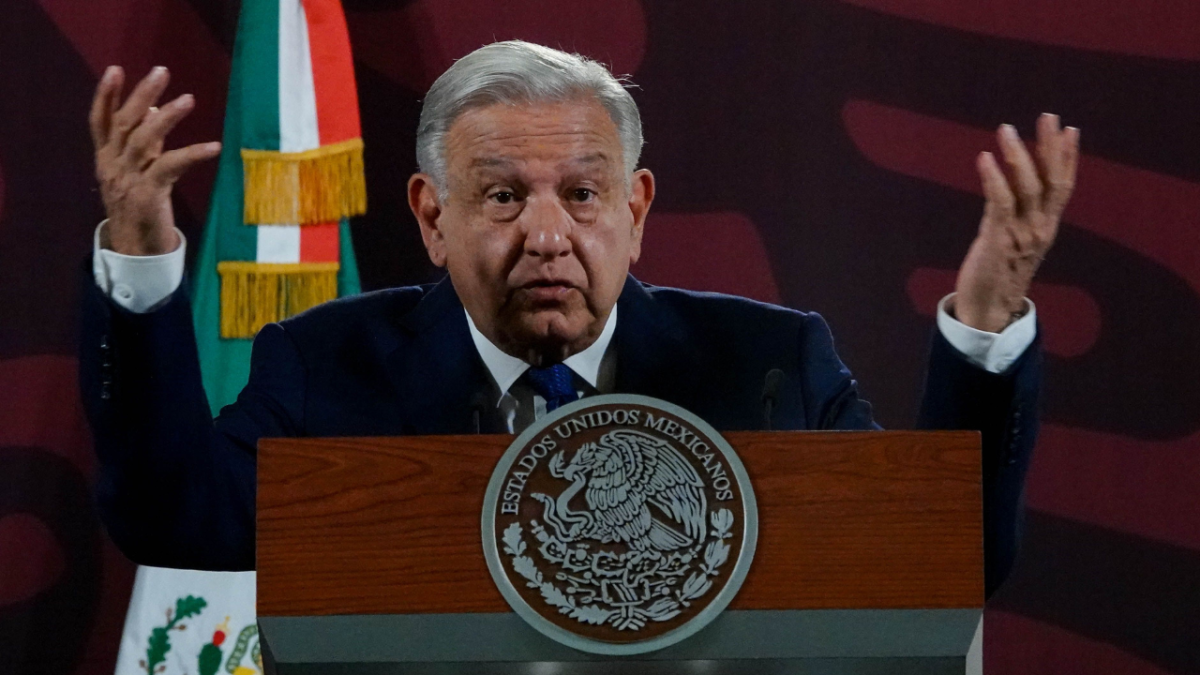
point(869, 560)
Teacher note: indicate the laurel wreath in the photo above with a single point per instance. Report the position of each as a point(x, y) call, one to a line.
point(716, 553)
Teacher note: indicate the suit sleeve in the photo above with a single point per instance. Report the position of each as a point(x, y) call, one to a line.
point(1003, 407)
point(175, 487)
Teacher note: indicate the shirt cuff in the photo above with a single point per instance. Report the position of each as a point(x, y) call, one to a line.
point(139, 283)
point(994, 352)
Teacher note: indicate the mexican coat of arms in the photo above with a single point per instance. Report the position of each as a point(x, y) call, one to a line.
point(619, 524)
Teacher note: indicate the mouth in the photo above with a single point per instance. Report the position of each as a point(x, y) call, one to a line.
point(547, 290)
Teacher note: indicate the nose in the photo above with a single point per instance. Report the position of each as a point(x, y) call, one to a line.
point(547, 230)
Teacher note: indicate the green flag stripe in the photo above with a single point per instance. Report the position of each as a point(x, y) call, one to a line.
point(348, 283)
point(224, 364)
point(258, 35)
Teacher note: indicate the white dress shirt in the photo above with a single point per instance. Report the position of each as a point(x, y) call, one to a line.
point(519, 405)
point(143, 283)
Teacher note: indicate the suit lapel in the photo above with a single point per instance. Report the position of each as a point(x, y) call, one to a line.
point(436, 369)
point(654, 355)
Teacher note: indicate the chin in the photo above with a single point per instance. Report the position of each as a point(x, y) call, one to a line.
point(549, 334)
point(557, 327)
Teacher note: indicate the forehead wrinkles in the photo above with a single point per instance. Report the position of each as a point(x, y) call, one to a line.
point(565, 134)
point(561, 151)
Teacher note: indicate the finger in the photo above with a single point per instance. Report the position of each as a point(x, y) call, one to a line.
point(168, 168)
point(1063, 156)
point(147, 139)
point(114, 103)
point(1000, 204)
point(1065, 185)
point(144, 95)
point(1071, 151)
point(1051, 151)
point(996, 189)
point(1049, 146)
point(1027, 183)
point(100, 115)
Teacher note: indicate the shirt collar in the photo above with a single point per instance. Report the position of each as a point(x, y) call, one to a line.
point(506, 369)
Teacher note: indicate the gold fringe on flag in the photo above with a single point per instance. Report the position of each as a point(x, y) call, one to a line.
point(256, 294)
point(314, 186)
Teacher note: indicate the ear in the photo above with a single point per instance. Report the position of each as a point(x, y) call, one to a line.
point(425, 205)
point(641, 194)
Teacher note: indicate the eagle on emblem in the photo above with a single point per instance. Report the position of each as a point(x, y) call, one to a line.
point(625, 473)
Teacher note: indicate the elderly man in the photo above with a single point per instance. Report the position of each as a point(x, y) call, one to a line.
point(531, 197)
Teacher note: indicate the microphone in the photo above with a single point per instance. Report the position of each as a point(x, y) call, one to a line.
point(478, 405)
point(770, 392)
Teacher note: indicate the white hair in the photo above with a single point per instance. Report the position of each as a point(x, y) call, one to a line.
point(516, 72)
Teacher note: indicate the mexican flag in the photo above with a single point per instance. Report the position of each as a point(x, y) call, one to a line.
point(276, 242)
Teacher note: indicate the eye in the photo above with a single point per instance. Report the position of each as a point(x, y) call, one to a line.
point(503, 197)
point(582, 195)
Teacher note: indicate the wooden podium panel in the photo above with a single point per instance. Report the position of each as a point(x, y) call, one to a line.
point(847, 520)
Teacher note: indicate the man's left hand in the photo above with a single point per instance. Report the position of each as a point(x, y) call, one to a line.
point(1020, 221)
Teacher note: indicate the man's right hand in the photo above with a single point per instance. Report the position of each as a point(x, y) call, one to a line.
point(135, 175)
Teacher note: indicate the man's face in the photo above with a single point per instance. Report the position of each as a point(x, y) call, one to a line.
point(539, 227)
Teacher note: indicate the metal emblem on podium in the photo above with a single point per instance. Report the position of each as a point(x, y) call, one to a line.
point(619, 524)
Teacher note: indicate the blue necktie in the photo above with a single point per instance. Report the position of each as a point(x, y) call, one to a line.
point(553, 384)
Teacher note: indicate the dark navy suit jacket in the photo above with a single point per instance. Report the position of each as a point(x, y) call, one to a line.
point(176, 488)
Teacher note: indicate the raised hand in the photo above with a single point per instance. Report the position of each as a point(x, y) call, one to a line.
point(1020, 222)
point(135, 174)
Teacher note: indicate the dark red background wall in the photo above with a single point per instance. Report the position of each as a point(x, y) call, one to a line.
point(815, 153)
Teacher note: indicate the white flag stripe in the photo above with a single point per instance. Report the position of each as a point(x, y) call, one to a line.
point(297, 121)
point(297, 93)
point(278, 243)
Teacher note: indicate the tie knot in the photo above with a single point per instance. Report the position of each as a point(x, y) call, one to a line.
point(554, 384)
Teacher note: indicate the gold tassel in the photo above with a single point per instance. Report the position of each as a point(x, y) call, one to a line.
point(256, 294)
point(314, 186)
